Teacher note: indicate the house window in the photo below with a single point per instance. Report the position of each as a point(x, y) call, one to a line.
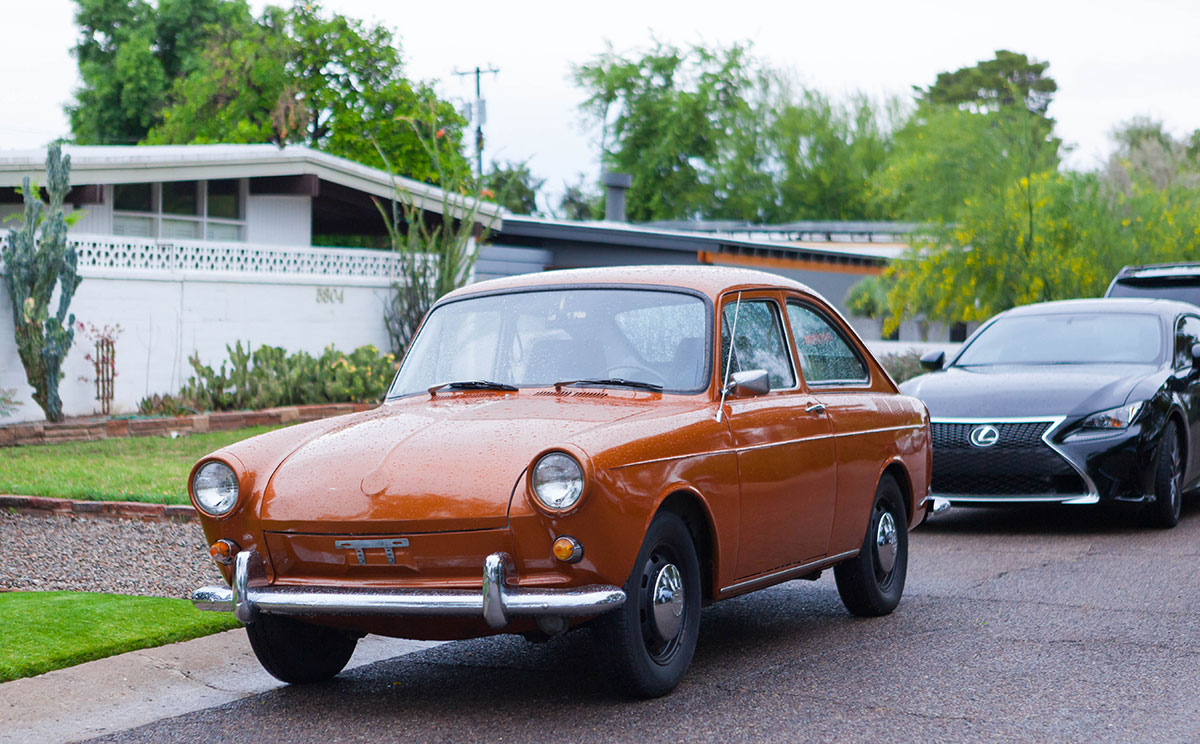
point(181, 210)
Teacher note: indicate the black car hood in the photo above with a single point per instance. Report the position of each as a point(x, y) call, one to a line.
point(1011, 391)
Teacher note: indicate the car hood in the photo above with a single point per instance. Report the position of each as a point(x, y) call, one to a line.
point(418, 465)
point(1012, 391)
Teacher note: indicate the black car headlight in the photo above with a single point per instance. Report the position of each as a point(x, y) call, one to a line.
point(215, 488)
point(557, 481)
point(1113, 418)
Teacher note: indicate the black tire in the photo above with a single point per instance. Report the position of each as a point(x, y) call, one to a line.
point(1164, 511)
point(641, 660)
point(869, 587)
point(297, 652)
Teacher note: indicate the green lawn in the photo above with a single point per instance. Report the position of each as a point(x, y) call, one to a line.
point(44, 631)
point(153, 469)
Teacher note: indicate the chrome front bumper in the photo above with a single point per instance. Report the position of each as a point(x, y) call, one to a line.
point(496, 601)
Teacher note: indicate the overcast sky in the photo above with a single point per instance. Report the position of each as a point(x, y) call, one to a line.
point(1112, 60)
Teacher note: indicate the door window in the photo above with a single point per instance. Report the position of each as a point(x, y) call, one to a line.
point(826, 357)
point(758, 341)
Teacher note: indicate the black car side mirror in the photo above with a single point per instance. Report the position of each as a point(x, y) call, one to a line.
point(933, 360)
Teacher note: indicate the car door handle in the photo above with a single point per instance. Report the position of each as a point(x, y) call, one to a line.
point(815, 408)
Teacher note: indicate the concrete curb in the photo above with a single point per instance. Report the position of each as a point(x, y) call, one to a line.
point(111, 695)
point(46, 507)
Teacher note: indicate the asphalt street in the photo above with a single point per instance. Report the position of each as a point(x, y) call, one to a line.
point(1057, 624)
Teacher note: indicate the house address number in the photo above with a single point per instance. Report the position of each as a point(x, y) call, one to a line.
point(330, 295)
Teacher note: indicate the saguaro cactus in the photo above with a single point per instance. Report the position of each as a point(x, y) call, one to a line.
point(34, 265)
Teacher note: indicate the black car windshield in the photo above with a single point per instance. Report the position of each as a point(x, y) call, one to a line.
point(641, 337)
point(1067, 338)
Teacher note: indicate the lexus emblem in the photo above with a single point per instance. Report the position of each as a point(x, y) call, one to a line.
point(984, 436)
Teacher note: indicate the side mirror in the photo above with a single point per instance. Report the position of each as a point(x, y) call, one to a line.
point(1195, 356)
point(750, 382)
point(933, 360)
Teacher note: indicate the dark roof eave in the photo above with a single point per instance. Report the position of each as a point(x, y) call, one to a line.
point(643, 237)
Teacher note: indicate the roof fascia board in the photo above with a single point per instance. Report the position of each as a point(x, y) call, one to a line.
point(140, 168)
point(640, 237)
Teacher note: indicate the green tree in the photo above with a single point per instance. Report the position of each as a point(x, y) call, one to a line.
point(513, 186)
point(305, 76)
point(825, 156)
point(129, 51)
point(37, 261)
point(1007, 80)
point(663, 118)
point(713, 133)
point(579, 202)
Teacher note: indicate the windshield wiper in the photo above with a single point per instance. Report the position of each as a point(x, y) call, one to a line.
point(471, 385)
point(612, 381)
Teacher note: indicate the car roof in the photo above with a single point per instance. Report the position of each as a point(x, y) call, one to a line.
point(1116, 305)
point(710, 280)
point(1164, 271)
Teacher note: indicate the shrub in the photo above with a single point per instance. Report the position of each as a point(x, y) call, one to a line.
point(8, 401)
point(903, 365)
point(270, 377)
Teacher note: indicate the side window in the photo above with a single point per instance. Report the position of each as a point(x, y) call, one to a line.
point(825, 355)
point(758, 341)
point(1187, 333)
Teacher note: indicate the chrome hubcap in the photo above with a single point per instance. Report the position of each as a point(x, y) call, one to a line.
point(667, 602)
point(885, 542)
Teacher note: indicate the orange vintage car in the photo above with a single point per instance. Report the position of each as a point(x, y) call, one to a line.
point(604, 448)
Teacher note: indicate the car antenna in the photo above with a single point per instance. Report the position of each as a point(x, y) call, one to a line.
point(732, 340)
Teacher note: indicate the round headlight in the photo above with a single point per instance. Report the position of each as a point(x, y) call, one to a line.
point(215, 487)
point(557, 481)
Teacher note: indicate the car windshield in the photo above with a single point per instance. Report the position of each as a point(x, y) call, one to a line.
point(658, 338)
point(1184, 291)
point(1066, 338)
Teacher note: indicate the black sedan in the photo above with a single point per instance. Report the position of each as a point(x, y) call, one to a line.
point(1075, 402)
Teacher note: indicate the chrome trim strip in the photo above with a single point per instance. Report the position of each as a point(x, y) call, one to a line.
point(881, 430)
point(1091, 497)
point(793, 572)
point(737, 450)
point(1000, 499)
point(784, 443)
point(935, 504)
point(495, 601)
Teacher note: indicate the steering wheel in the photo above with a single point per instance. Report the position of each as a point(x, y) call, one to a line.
point(636, 372)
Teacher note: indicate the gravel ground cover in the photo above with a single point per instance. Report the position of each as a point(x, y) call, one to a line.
point(125, 556)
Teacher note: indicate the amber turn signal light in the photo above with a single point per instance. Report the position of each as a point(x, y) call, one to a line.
point(223, 551)
point(568, 550)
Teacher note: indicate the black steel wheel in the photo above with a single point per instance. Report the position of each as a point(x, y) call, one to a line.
point(648, 642)
point(297, 652)
point(872, 582)
point(1168, 480)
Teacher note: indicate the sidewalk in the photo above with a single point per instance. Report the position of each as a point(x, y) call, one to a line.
point(133, 689)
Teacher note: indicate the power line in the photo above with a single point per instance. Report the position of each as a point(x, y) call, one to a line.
point(480, 112)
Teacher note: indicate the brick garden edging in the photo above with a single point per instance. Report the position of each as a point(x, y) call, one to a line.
point(42, 506)
point(42, 432)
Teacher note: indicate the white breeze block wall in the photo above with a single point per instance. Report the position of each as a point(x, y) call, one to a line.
point(175, 299)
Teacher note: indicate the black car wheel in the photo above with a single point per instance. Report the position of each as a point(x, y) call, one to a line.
point(649, 641)
point(872, 582)
point(297, 652)
point(1168, 480)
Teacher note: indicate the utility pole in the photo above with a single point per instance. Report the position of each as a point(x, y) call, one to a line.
point(480, 113)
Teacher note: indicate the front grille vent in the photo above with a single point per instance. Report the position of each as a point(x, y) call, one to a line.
point(1020, 463)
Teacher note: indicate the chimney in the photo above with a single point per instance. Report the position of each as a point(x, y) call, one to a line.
point(615, 186)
